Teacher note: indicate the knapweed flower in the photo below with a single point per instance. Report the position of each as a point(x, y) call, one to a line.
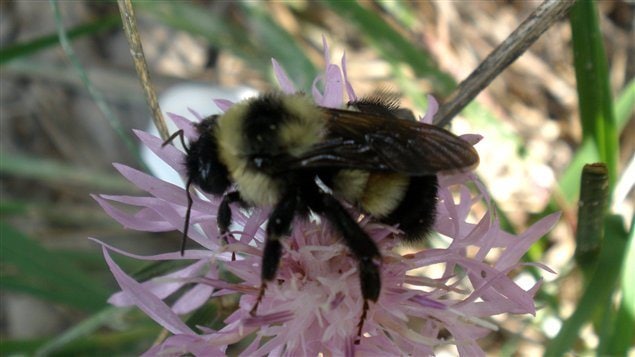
point(430, 298)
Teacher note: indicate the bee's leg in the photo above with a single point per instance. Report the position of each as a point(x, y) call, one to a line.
point(278, 227)
point(224, 216)
point(362, 247)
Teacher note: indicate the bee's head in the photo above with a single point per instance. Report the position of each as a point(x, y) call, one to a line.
point(204, 168)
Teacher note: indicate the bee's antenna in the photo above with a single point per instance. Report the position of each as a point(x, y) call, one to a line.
point(186, 228)
point(187, 215)
point(181, 135)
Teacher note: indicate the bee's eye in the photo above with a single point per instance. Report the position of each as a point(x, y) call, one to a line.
point(258, 162)
point(205, 169)
point(261, 161)
point(211, 177)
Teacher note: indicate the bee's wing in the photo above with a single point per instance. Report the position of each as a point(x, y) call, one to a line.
point(374, 142)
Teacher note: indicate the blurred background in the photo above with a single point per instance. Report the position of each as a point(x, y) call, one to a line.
point(57, 142)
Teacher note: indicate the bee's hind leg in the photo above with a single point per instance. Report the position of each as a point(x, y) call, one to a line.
point(279, 226)
point(224, 216)
point(362, 247)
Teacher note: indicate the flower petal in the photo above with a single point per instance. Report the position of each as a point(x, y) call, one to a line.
point(283, 80)
point(433, 108)
point(349, 88)
point(184, 124)
point(223, 104)
point(168, 153)
point(146, 301)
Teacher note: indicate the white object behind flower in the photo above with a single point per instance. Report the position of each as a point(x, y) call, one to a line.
point(179, 100)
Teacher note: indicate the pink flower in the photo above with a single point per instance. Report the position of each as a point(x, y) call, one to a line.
point(449, 290)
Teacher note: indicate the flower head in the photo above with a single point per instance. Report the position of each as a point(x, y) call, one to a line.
point(315, 304)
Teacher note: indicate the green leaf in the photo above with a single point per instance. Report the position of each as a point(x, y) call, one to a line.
point(90, 336)
point(256, 41)
point(599, 291)
point(619, 337)
point(20, 347)
point(208, 315)
point(391, 45)
point(54, 171)
point(94, 93)
point(27, 48)
point(594, 94)
point(401, 11)
point(569, 182)
point(132, 341)
point(30, 268)
point(275, 42)
point(624, 105)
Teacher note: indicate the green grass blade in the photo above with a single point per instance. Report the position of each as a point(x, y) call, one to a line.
point(619, 337)
point(129, 342)
point(10, 347)
point(401, 11)
point(87, 329)
point(391, 45)
point(594, 94)
point(58, 172)
point(28, 267)
point(625, 105)
point(599, 291)
point(569, 182)
point(259, 40)
point(95, 94)
point(275, 42)
point(29, 47)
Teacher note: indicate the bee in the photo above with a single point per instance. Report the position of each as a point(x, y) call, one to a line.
point(283, 151)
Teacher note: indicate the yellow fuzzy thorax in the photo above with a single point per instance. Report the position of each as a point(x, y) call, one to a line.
point(303, 127)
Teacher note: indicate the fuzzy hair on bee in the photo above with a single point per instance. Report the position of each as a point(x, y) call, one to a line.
point(274, 150)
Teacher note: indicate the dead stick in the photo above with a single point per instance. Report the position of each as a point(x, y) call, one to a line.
point(516, 44)
point(136, 50)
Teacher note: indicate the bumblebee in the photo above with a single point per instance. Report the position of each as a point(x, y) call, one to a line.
point(283, 151)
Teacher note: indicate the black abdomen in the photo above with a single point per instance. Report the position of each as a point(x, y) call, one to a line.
point(416, 213)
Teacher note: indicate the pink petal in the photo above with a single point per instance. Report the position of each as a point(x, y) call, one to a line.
point(168, 153)
point(133, 222)
point(167, 212)
point(333, 92)
point(349, 88)
point(161, 287)
point(223, 104)
point(433, 108)
point(189, 254)
point(317, 96)
point(283, 80)
point(196, 114)
point(269, 319)
point(157, 187)
point(179, 345)
point(141, 201)
point(326, 50)
point(146, 301)
point(471, 138)
point(514, 253)
point(184, 124)
point(193, 299)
